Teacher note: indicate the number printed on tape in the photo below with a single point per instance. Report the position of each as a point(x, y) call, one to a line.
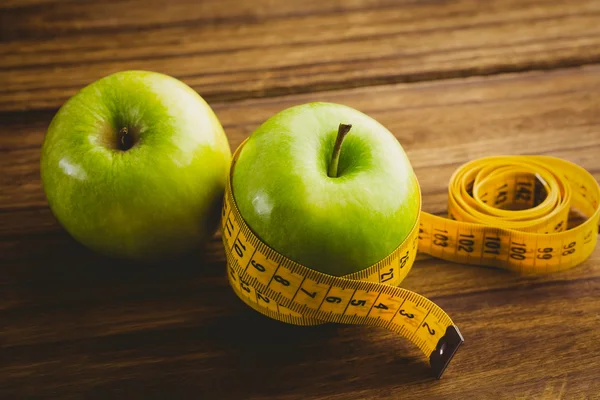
point(514, 219)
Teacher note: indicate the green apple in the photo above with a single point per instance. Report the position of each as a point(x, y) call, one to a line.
point(135, 164)
point(332, 197)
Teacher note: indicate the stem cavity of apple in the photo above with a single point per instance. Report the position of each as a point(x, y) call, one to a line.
point(125, 139)
point(343, 130)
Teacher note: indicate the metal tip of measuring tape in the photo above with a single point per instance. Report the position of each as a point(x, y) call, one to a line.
point(445, 350)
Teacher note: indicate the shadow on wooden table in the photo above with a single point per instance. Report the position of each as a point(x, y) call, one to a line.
point(80, 323)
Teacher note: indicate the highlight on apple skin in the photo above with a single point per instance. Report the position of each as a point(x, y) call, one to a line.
point(326, 186)
point(134, 166)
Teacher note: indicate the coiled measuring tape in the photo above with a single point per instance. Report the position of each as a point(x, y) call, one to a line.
point(483, 229)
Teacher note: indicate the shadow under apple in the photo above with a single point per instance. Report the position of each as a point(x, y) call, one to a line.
point(177, 327)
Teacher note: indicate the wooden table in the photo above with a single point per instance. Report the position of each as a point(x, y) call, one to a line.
point(453, 80)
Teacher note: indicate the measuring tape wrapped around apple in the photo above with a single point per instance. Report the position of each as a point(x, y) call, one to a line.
point(321, 225)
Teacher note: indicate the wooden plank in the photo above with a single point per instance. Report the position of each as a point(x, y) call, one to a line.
point(229, 50)
point(78, 325)
point(508, 114)
point(125, 340)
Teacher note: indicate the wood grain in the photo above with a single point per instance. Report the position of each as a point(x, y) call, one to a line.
point(520, 112)
point(87, 325)
point(229, 50)
point(453, 80)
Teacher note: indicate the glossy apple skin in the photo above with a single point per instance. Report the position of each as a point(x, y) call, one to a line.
point(159, 198)
point(334, 225)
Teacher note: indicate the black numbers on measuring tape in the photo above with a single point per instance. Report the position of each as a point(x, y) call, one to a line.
point(559, 227)
point(429, 329)
point(244, 286)
point(501, 196)
point(468, 249)
point(483, 197)
point(567, 252)
point(404, 260)
point(523, 191)
point(333, 299)
point(358, 302)
point(387, 276)
point(492, 245)
point(405, 314)
point(440, 243)
point(263, 298)
point(309, 294)
point(381, 306)
point(239, 247)
point(570, 249)
point(544, 254)
point(441, 239)
point(229, 227)
point(282, 280)
point(517, 251)
point(258, 266)
point(465, 243)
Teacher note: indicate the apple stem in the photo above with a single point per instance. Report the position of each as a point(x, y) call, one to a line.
point(125, 142)
point(343, 130)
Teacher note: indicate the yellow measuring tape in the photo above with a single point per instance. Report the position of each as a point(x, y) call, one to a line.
point(508, 212)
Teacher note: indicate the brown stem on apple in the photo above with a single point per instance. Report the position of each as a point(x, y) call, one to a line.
point(125, 139)
point(343, 130)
